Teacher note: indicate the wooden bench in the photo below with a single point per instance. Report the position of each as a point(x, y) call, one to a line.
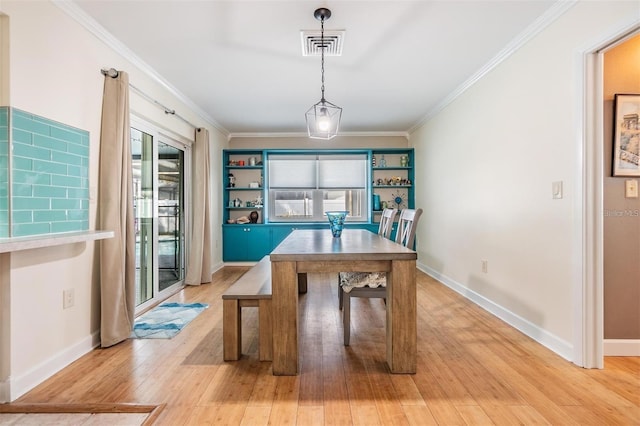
point(253, 289)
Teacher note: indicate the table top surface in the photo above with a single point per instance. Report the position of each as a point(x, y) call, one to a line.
point(354, 244)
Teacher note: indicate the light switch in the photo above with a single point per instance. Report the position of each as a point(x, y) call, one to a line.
point(556, 189)
point(631, 188)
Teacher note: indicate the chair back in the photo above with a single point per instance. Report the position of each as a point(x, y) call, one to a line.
point(386, 222)
point(407, 225)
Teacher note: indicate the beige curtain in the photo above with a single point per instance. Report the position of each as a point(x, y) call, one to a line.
point(199, 263)
point(115, 210)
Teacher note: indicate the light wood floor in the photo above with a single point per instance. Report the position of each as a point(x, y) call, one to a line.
point(472, 369)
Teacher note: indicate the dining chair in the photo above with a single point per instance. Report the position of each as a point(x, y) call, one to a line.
point(384, 230)
point(374, 284)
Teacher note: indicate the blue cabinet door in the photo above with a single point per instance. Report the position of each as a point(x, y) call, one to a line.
point(258, 242)
point(279, 233)
point(244, 243)
point(234, 243)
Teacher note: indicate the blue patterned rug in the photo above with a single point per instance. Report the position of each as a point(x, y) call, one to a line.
point(166, 320)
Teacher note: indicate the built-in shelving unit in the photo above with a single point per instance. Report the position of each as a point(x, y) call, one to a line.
point(392, 176)
point(245, 179)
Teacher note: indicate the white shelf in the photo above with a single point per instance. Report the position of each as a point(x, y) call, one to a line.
point(38, 241)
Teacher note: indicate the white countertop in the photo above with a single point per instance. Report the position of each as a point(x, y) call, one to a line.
point(38, 241)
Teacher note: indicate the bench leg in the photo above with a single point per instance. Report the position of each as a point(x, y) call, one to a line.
point(265, 330)
point(231, 330)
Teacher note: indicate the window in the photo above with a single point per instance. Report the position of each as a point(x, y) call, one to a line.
point(301, 187)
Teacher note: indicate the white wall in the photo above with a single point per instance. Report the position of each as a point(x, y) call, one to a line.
point(54, 72)
point(488, 161)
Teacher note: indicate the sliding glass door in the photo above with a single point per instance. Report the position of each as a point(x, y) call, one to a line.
point(160, 167)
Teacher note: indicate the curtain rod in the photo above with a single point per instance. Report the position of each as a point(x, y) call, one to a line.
point(113, 73)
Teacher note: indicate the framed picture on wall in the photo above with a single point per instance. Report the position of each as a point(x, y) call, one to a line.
point(626, 137)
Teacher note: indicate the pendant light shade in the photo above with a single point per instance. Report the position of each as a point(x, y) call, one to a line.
point(323, 118)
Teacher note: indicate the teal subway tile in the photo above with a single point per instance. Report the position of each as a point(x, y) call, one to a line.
point(22, 190)
point(4, 114)
point(20, 113)
point(4, 191)
point(22, 137)
point(85, 161)
point(68, 226)
point(84, 183)
point(22, 216)
point(4, 162)
point(74, 171)
point(49, 167)
point(4, 203)
point(49, 191)
point(25, 229)
point(30, 203)
point(27, 123)
point(47, 142)
point(80, 150)
point(49, 215)
point(85, 204)
point(68, 134)
point(67, 181)
point(77, 215)
point(21, 176)
point(23, 150)
point(66, 159)
point(86, 140)
point(84, 173)
point(82, 193)
point(21, 163)
point(58, 204)
point(4, 231)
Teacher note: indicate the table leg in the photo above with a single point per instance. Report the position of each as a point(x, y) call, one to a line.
point(284, 286)
point(302, 283)
point(402, 317)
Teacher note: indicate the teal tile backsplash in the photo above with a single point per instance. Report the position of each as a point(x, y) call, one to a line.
point(48, 171)
point(4, 172)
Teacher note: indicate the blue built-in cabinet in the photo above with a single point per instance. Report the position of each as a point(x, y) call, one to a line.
point(245, 182)
point(44, 175)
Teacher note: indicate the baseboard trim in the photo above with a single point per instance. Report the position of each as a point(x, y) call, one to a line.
point(4, 392)
point(18, 386)
point(540, 335)
point(621, 347)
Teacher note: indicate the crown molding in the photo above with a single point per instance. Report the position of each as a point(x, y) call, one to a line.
point(80, 16)
point(543, 21)
point(305, 135)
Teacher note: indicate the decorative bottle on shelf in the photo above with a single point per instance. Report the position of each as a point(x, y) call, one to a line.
point(383, 162)
point(376, 202)
point(404, 161)
point(373, 160)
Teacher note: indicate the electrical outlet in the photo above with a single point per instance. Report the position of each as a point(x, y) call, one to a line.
point(485, 266)
point(68, 298)
point(631, 188)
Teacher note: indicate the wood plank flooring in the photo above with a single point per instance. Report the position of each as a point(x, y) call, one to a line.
point(473, 369)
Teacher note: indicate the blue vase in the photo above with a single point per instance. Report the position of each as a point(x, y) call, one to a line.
point(336, 222)
point(376, 202)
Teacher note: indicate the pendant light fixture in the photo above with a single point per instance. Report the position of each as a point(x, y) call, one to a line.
point(323, 118)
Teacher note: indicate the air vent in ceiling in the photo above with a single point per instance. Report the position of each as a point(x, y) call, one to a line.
point(312, 42)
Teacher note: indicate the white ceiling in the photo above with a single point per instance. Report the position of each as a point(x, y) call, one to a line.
point(241, 61)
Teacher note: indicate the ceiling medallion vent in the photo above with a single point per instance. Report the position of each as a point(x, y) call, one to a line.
point(312, 42)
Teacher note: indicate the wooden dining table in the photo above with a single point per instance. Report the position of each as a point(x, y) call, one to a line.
point(357, 250)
